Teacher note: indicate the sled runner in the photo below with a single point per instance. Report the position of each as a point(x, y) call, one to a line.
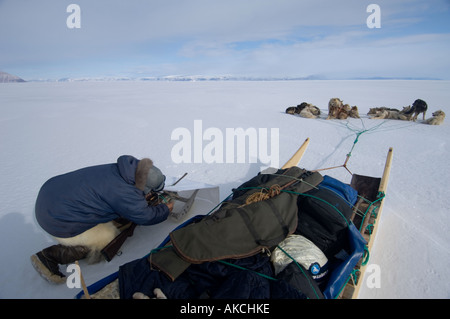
point(318, 229)
point(372, 192)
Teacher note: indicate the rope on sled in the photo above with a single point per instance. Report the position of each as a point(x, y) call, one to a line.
point(366, 256)
point(264, 194)
point(276, 189)
point(380, 197)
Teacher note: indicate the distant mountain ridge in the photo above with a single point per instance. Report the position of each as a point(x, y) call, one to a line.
point(9, 78)
point(192, 78)
point(195, 78)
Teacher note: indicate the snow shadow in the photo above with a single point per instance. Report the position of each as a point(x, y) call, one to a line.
point(19, 239)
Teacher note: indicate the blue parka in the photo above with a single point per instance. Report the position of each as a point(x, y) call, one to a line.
point(72, 203)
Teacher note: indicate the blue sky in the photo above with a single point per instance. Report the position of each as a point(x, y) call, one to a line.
point(258, 38)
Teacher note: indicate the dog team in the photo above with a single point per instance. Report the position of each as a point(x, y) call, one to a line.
point(338, 110)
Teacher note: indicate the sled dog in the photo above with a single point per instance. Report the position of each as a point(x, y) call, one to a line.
point(419, 106)
point(335, 106)
point(304, 110)
point(310, 111)
point(374, 110)
point(354, 112)
point(387, 113)
point(338, 110)
point(437, 119)
point(292, 110)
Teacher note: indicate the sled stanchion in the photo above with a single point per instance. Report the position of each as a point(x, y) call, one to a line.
point(295, 159)
point(387, 170)
point(83, 284)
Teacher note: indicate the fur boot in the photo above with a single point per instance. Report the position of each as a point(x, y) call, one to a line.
point(47, 261)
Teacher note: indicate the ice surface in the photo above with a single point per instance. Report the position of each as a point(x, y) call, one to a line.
point(48, 129)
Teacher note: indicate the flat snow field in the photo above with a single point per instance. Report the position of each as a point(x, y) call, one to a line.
point(47, 129)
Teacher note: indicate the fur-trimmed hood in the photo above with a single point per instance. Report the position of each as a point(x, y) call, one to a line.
point(134, 171)
point(141, 175)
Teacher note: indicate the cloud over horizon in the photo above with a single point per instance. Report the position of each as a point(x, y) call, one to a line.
point(288, 38)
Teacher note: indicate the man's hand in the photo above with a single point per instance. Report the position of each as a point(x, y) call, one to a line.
point(170, 205)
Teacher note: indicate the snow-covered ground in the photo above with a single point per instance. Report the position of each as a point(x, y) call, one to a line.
point(48, 129)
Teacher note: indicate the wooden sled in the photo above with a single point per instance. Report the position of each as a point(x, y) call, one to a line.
point(367, 212)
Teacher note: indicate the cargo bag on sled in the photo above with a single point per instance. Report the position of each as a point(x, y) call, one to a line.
point(239, 228)
point(324, 218)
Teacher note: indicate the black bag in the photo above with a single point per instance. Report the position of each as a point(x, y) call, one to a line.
point(299, 278)
point(323, 217)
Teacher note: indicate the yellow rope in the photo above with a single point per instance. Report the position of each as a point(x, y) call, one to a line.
point(263, 194)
